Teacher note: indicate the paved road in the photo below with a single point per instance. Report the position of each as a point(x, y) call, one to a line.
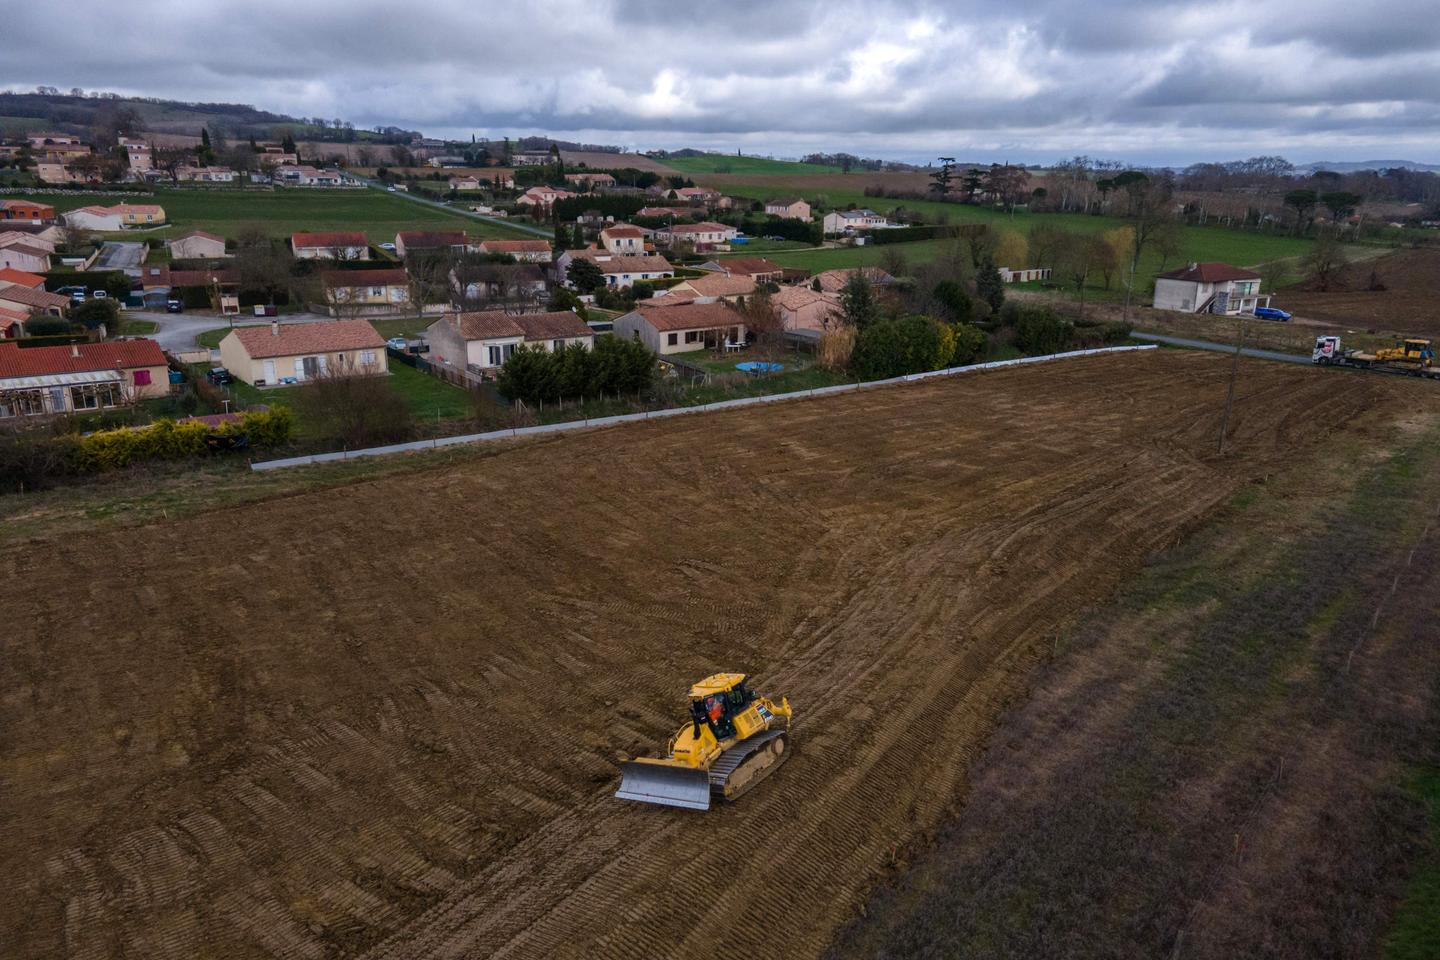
point(1221, 348)
point(416, 198)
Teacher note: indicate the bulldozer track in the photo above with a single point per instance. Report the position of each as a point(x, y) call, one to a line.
point(723, 769)
point(387, 734)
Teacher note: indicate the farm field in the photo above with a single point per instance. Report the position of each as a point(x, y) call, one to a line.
point(283, 212)
point(195, 733)
point(1410, 302)
point(723, 163)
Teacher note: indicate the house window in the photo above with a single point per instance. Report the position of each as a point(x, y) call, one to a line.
point(557, 344)
point(692, 336)
point(377, 291)
point(93, 396)
point(142, 378)
point(367, 358)
point(672, 339)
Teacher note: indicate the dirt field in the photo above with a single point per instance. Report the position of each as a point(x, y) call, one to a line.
point(383, 720)
point(1410, 302)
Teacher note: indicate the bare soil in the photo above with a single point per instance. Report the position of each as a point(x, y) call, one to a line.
point(1410, 302)
point(384, 720)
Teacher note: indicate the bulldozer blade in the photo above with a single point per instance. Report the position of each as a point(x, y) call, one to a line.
point(669, 785)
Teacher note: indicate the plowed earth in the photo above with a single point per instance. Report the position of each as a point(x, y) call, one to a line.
point(384, 720)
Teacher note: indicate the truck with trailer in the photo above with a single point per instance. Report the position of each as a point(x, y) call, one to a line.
point(1413, 357)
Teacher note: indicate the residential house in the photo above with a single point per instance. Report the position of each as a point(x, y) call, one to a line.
point(93, 218)
point(366, 291)
point(33, 300)
point(464, 183)
point(525, 251)
point(49, 140)
point(715, 286)
point(543, 198)
point(302, 175)
point(519, 285)
point(588, 182)
point(26, 210)
point(19, 278)
point(705, 235)
point(625, 240)
point(138, 154)
point(852, 221)
point(664, 213)
point(431, 241)
point(694, 194)
point(530, 158)
point(619, 271)
point(274, 353)
point(197, 245)
point(789, 209)
point(482, 342)
point(756, 268)
point(330, 245)
point(801, 308)
point(122, 216)
point(59, 172)
point(678, 329)
point(189, 174)
point(12, 322)
point(24, 254)
point(833, 281)
point(50, 233)
point(1210, 288)
point(79, 377)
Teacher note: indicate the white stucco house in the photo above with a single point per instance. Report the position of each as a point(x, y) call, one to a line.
point(1210, 288)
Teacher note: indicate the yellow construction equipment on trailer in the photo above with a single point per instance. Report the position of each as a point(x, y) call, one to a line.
point(734, 740)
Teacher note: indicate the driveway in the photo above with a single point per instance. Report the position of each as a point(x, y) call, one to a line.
point(177, 332)
point(1221, 348)
point(119, 255)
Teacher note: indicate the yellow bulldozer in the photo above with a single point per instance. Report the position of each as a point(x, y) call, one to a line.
point(734, 740)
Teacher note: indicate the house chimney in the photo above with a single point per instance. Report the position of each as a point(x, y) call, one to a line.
point(274, 328)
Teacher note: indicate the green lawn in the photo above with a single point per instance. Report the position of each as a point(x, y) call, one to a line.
point(726, 163)
point(136, 328)
point(402, 327)
point(210, 339)
point(753, 247)
point(282, 212)
point(430, 397)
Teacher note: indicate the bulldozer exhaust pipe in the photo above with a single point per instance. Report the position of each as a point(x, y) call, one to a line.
point(666, 784)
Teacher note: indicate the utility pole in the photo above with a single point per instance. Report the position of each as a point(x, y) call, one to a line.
point(1230, 390)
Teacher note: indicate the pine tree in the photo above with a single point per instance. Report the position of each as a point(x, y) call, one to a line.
point(988, 285)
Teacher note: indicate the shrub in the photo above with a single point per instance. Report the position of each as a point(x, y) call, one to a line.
point(357, 411)
point(968, 346)
point(92, 314)
point(43, 326)
point(836, 347)
point(34, 460)
point(892, 348)
point(1040, 330)
point(952, 296)
point(615, 366)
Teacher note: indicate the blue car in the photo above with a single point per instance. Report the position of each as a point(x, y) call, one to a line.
point(1271, 313)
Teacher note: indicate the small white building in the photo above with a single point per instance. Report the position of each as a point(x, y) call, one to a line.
point(197, 245)
point(703, 235)
point(790, 209)
point(619, 271)
point(481, 342)
point(1210, 288)
point(680, 329)
point(850, 221)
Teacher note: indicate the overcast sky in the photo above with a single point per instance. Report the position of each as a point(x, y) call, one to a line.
point(1025, 80)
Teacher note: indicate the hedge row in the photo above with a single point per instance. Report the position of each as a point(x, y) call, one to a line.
point(929, 232)
point(169, 440)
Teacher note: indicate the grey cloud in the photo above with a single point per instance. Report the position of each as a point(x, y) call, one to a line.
point(1173, 78)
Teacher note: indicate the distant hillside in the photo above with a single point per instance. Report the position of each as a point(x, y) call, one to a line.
point(1351, 167)
point(84, 115)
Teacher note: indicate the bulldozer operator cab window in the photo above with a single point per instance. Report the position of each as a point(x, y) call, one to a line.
point(720, 709)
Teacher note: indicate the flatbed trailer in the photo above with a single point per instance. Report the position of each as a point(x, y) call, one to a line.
point(1415, 358)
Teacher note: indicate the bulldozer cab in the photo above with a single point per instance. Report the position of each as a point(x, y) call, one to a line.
point(1418, 350)
point(717, 700)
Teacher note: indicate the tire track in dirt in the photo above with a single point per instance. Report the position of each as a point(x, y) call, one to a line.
point(358, 736)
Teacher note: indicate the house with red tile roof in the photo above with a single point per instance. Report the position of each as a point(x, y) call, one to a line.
point(11, 278)
point(705, 235)
point(756, 268)
point(525, 251)
point(431, 241)
point(1209, 288)
point(330, 245)
point(481, 342)
point(273, 353)
point(619, 271)
point(27, 210)
point(33, 300)
point(544, 197)
point(24, 254)
point(801, 308)
point(366, 292)
point(79, 377)
point(679, 329)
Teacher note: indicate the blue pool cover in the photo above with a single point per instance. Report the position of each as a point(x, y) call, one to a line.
point(760, 366)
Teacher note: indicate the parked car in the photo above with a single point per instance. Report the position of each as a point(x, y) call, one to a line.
point(77, 296)
point(98, 295)
point(220, 376)
point(387, 246)
point(1271, 313)
point(397, 343)
point(174, 306)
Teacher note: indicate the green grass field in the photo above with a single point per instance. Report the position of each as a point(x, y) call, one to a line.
point(283, 212)
point(725, 163)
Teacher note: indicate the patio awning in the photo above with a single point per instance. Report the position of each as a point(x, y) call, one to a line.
point(61, 380)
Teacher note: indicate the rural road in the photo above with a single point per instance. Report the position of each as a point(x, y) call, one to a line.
point(413, 198)
point(1221, 347)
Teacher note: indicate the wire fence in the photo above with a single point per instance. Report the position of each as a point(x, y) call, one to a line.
point(440, 442)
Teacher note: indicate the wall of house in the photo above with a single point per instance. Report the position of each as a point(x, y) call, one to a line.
point(16, 260)
point(195, 248)
point(631, 324)
point(1180, 294)
point(253, 370)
